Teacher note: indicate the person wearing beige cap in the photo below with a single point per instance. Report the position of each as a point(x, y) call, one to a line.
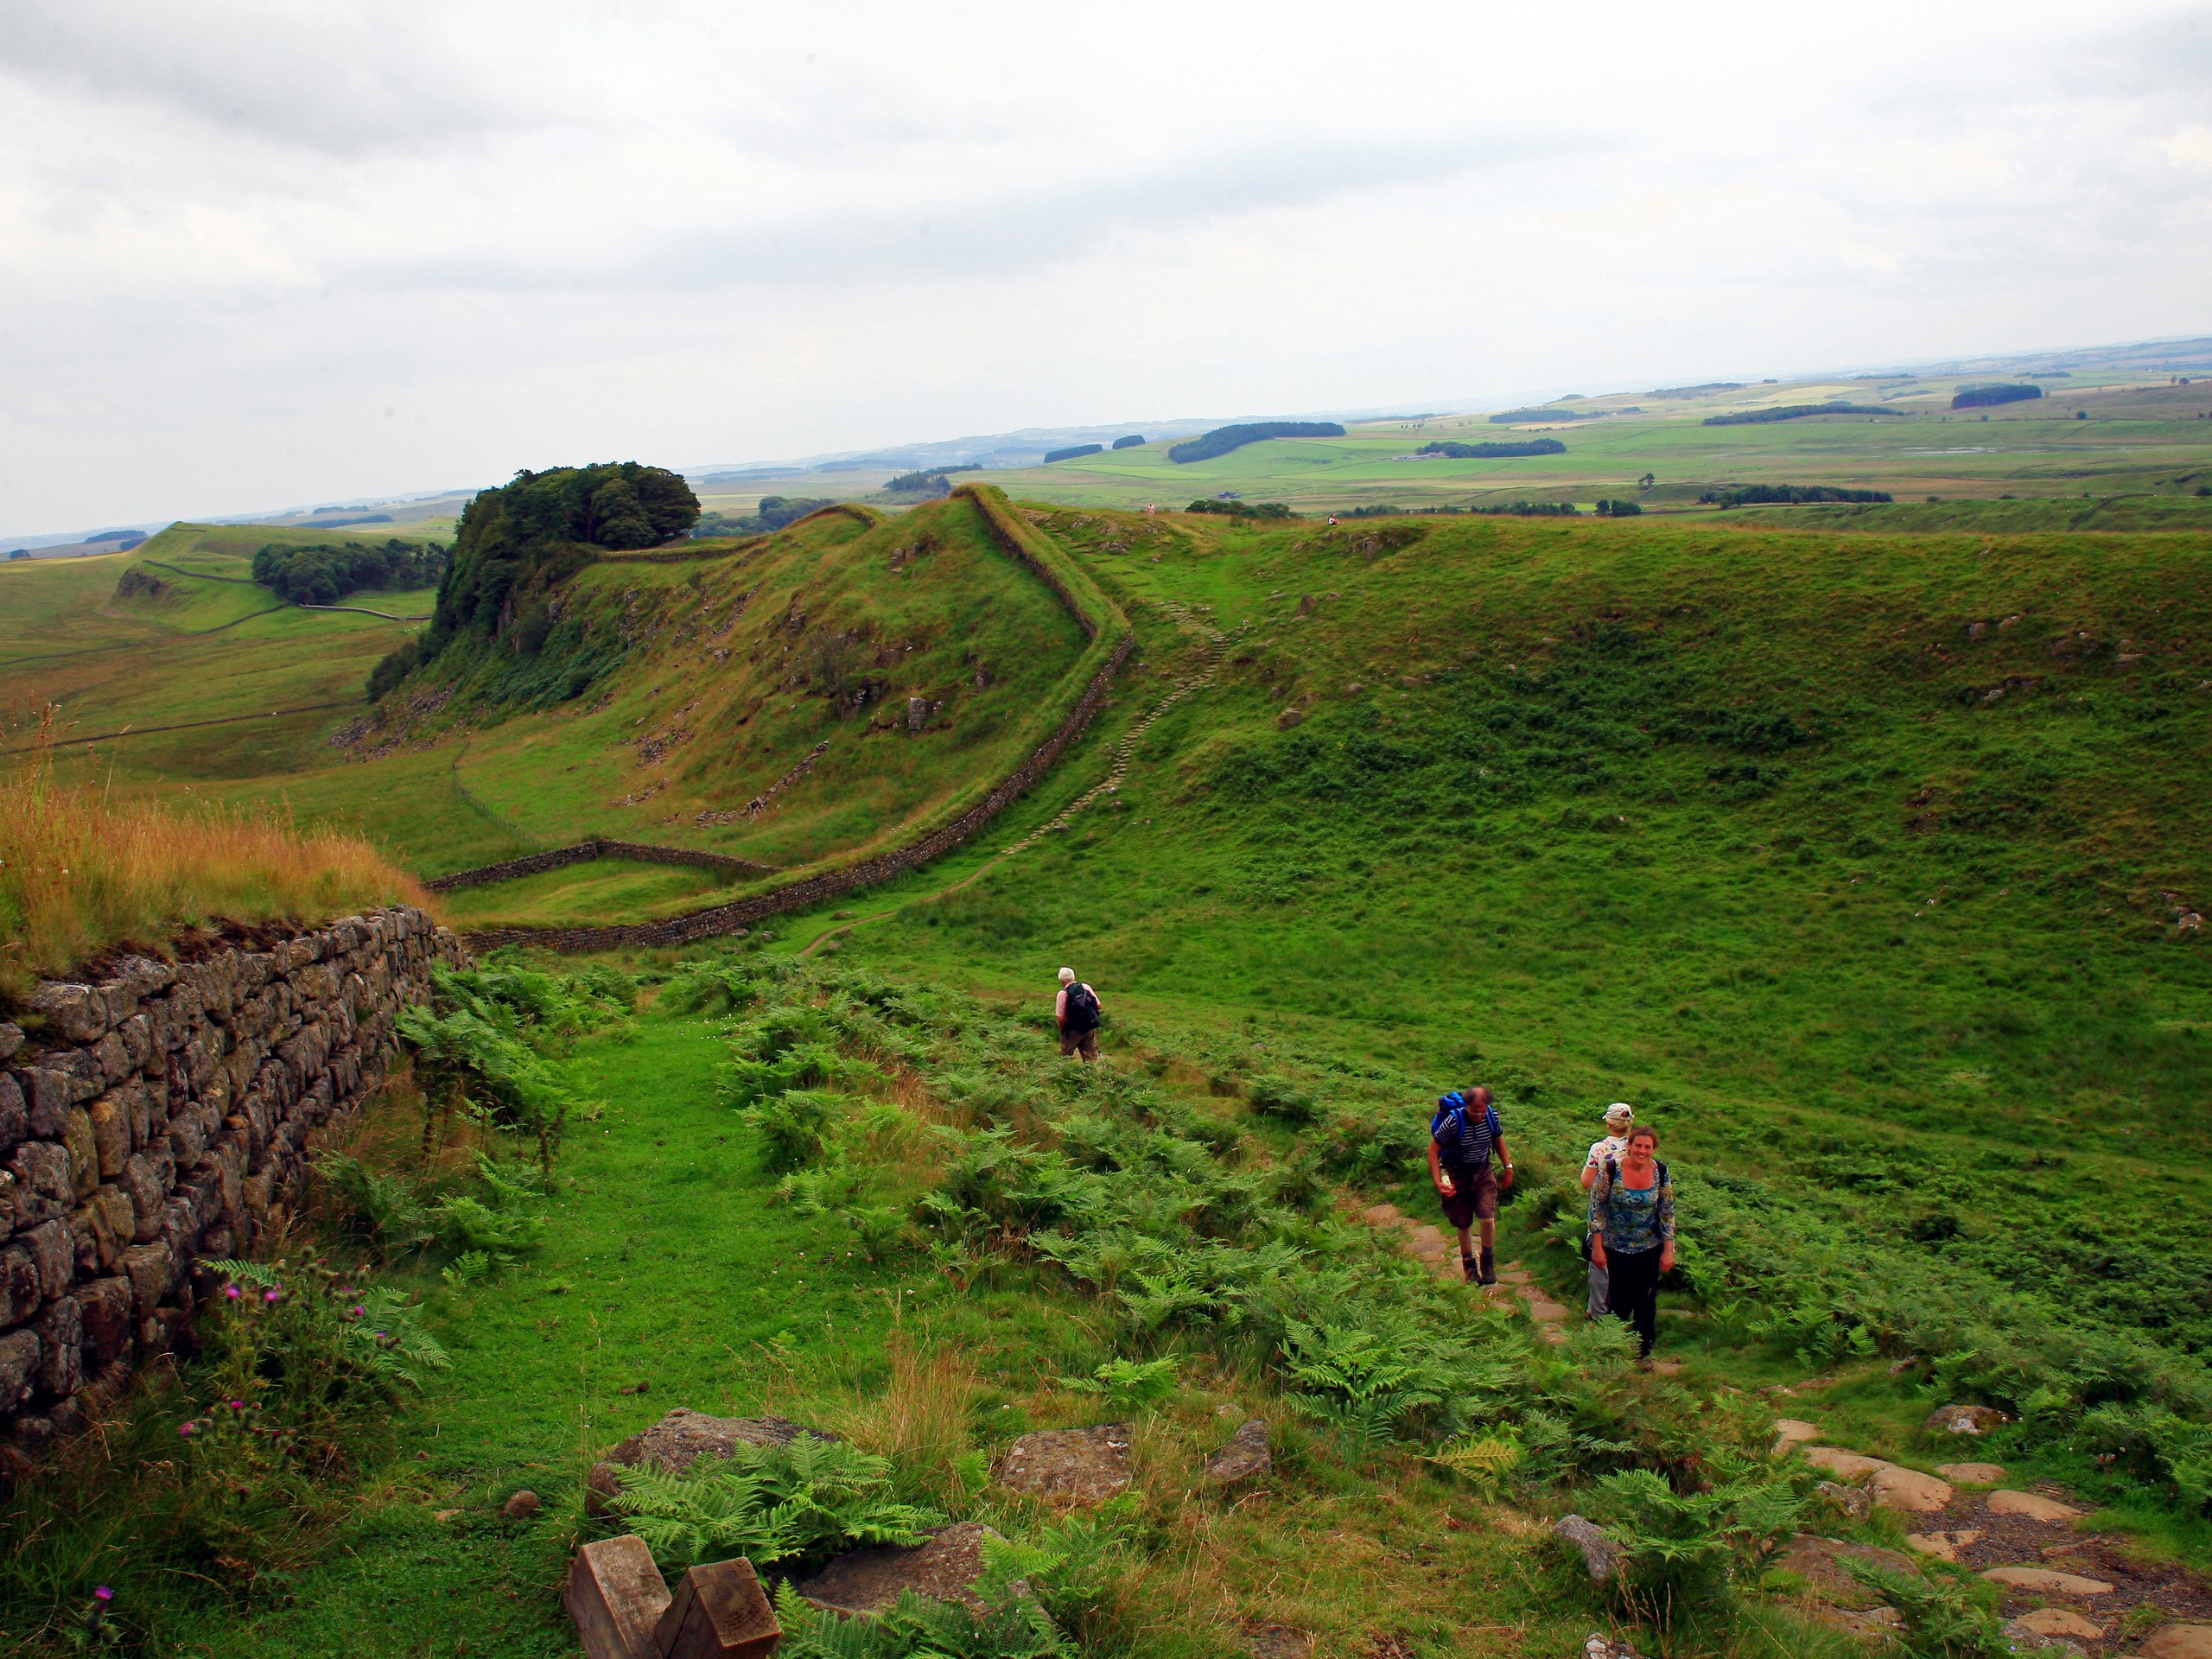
point(1620, 1117)
point(1078, 1011)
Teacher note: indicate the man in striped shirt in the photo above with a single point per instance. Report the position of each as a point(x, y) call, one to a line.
point(1466, 1141)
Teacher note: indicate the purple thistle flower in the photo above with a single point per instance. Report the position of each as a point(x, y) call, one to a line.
point(268, 1295)
point(103, 1593)
point(186, 1429)
point(230, 1291)
point(358, 1312)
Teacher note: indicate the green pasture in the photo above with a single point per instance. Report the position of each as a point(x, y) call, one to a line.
point(1920, 951)
point(606, 889)
point(2146, 439)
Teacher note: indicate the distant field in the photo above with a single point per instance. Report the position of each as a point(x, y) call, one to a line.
point(204, 649)
point(2143, 440)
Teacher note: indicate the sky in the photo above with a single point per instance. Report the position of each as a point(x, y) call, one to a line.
point(259, 254)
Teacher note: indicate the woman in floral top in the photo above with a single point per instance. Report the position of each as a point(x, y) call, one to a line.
point(1633, 1231)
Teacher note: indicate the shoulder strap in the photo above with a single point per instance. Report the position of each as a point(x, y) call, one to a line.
point(1497, 1128)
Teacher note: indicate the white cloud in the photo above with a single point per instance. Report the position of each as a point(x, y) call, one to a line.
point(232, 235)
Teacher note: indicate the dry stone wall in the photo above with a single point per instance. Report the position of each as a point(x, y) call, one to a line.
point(160, 1118)
point(598, 847)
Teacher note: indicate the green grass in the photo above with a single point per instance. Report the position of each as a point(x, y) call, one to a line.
point(608, 889)
point(2139, 440)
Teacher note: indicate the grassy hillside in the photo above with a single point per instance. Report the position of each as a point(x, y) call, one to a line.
point(666, 698)
point(207, 647)
point(1864, 864)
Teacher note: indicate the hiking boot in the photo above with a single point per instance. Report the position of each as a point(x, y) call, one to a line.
point(1468, 1267)
point(1490, 1267)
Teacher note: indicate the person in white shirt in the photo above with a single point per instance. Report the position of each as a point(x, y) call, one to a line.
point(1620, 1117)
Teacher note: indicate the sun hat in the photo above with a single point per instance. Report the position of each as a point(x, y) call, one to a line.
point(1621, 1110)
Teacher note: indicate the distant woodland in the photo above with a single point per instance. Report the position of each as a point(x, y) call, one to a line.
point(1985, 396)
point(1451, 451)
point(1796, 412)
point(322, 574)
point(1223, 439)
point(1755, 495)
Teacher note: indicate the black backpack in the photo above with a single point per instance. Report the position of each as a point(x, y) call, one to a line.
point(1082, 1008)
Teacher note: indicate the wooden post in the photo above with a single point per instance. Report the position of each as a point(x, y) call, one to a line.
point(616, 1597)
point(719, 1612)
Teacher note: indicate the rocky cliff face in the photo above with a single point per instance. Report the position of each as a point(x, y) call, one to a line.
point(161, 1118)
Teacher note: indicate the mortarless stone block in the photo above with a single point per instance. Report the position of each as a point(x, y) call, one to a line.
point(718, 1611)
point(616, 1598)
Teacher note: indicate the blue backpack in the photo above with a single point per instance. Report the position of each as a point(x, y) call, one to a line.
point(1455, 1106)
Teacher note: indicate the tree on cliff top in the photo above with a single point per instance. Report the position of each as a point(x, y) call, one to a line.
point(519, 540)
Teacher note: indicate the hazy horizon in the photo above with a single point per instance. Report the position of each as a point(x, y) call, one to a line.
point(256, 256)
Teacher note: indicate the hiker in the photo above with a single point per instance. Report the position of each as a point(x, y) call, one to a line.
point(1080, 1014)
point(1463, 1137)
point(1618, 1117)
point(1633, 1231)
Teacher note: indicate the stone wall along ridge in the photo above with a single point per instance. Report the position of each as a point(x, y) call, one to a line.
point(1111, 638)
point(598, 847)
point(160, 1118)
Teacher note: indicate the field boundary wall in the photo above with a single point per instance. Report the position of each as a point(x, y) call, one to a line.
point(1080, 693)
point(597, 847)
point(161, 1117)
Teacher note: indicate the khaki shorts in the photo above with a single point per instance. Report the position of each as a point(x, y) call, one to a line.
point(1474, 1197)
point(1084, 1043)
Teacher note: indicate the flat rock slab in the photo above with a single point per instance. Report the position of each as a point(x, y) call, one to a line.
point(1971, 1474)
point(2054, 1620)
point(2044, 1581)
point(677, 1439)
point(1382, 1215)
point(1943, 1546)
point(1245, 1458)
point(1074, 1465)
point(2034, 1505)
point(1849, 1464)
point(1818, 1561)
point(1794, 1431)
point(1908, 1489)
point(864, 1582)
point(2179, 1641)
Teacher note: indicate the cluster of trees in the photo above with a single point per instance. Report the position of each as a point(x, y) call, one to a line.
point(518, 542)
point(1135, 440)
point(1516, 510)
point(1512, 415)
point(1241, 509)
point(773, 513)
point(928, 482)
point(1073, 451)
point(1614, 508)
point(1707, 390)
point(1451, 451)
point(323, 573)
point(1223, 439)
point(1753, 495)
point(1983, 396)
point(1796, 412)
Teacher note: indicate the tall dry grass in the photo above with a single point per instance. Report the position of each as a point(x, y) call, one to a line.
point(79, 873)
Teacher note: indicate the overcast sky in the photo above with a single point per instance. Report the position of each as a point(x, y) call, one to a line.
point(258, 254)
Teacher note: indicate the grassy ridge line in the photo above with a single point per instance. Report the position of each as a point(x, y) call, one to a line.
point(867, 516)
point(1063, 718)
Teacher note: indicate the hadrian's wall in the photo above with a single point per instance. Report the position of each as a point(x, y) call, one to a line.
point(160, 1119)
